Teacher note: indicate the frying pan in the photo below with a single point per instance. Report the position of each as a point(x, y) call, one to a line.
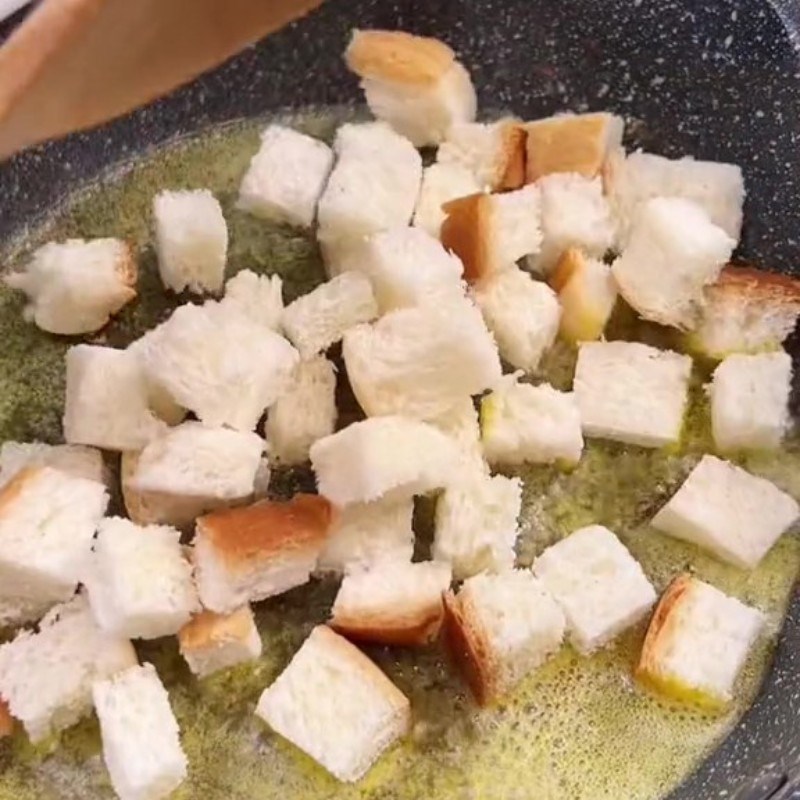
point(719, 80)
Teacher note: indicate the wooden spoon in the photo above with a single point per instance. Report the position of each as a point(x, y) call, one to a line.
point(73, 64)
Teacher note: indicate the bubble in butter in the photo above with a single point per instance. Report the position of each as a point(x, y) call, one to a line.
point(577, 728)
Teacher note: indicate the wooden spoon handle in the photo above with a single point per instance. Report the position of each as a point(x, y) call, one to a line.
point(73, 64)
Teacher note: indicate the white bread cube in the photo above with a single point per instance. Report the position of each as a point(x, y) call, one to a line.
point(335, 705)
point(500, 628)
point(195, 461)
point(491, 232)
point(305, 412)
point(729, 512)
point(462, 425)
point(47, 523)
point(374, 184)
point(46, 677)
point(224, 367)
point(141, 742)
point(364, 534)
point(521, 423)
point(476, 524)
point(242, 555)
point(75, 286)
point(747, 311)
point(440, 184)
point(577, 143)
point(523, 314)
point(394, 603)
point(138, 581)
point(638, 177)
point(575, 213)
point(211, 642)
point(257, 297)
point(389, 456)
point(74, 460)
point(599, 585)
point(750, 401)
point(107, 403)
point(420, 362)
point(317, 320)
point(159, 400)
point(191, 240)
point(630, 392)
point(697, 643)
point(408, 267)
point(412, 82)
point(587, 293)
point(493, 152)
point(286, 177)
point(673, 252)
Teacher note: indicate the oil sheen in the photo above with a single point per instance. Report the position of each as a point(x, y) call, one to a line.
point(577, 728)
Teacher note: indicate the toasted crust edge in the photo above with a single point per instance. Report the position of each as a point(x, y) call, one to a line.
point(6, 720)
point(512, 157)
point(465, 230)
point(210, 629)
point(755, 285)
point(398, 57)
point(406, 628)
point(127, 269)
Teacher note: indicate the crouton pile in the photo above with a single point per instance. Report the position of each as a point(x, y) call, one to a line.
point(448, 283)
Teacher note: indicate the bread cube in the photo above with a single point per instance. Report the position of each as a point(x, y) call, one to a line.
point(74, 460)
point(46, 677)
point(305, 412)
point(575, 213)
point(500, 628)
point(224, 367)
point(195, 461)
point(673, 252)
point(383, 457)
point(412, 82)
point(476, 524)
point(76, 286)
point(630, 392)
point(211, 642)
point(394, 603)
point(286, 177)
point(419, 362)
point(729, 512)
point(107, 401)
point(139, 584)
point(141, 742)
point(242, 555)
point(191, 240)
point(587, 293)
point(159, 400)
point(493, 152)
point(364, 534)
point(697, 643)
point(521, 423)
point(356, 714)
point(320, 318)
point(599, 585)
point(523, 314)
point(747, 311)
point(47, 523)
point(440, 184)
point(638, 177)
point(257, 297)
point(578, 143)
point(374, 184)
point(461, 424)
point(750, 401)
point(408, 267)
point(490, 232)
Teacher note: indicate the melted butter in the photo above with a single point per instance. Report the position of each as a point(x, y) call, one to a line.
point(577, 728)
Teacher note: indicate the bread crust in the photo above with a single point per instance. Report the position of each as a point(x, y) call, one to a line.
point(471, 651)
point(240, 536)
point(398, 57)
point(571, 260)
point(511, 164)
point(755, 286)
point(6, 720)
point(466, 231)
point(571, 143)
point(127, 269)
point(208, 629)
point(408, 627)
point(13, 489)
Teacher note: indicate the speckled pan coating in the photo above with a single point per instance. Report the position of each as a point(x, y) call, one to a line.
point(717, 79)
